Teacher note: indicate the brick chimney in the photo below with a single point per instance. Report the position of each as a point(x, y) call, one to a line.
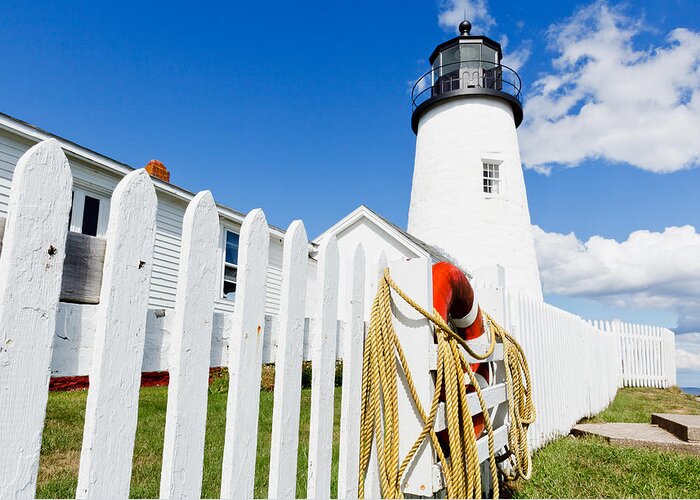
point(156, 169)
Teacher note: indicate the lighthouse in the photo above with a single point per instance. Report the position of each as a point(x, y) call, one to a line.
point(468, 195)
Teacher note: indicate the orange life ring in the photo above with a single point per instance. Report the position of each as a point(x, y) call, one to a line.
point(454, 299)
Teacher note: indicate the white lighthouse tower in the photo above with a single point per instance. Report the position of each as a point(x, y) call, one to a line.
point(468, 194)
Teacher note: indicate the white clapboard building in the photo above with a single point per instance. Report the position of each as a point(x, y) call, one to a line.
point(94, 178)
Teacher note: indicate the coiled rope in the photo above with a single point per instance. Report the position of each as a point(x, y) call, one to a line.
point(384, 356)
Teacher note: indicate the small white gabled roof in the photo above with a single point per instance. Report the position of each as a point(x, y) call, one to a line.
point(416, 245)
point(362, 212)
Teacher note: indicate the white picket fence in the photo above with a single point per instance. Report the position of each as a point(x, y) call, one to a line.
point(647, 353)
point(576, 366)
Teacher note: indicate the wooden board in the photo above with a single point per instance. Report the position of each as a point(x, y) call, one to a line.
point(285, 416)
point(115, 375)
point(186, 418)
point(30, 274)
point(323, 372)
point(245, 334)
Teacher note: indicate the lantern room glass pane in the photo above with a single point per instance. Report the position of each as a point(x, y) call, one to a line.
point(471, 52)
point(488, 54)
point(450, 60)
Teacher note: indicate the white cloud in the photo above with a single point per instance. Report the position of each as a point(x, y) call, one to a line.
point(651, 270)
point(687, 360)
point(516, 58)
point(605, 98)
point(689, 341)
point(452, 12)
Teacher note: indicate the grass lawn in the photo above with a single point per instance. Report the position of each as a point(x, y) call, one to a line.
point(590, 467)
point(567, 468)
point(60, 453)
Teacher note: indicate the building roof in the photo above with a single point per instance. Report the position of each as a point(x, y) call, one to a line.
point(436, 254)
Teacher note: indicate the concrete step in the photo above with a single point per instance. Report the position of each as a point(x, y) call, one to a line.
point(638, 436)
point(686, 427)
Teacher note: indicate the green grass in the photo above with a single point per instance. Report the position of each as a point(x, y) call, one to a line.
point(60, 454)
point(567, 468)
point(637, 404)
point(589, 467)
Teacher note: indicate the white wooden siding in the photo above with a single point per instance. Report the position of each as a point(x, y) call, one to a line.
point(10, 151)
point(274, 276)
point(166, 251)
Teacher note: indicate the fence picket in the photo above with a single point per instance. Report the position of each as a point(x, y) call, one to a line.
point(115, 375)
point(415, 335)
point(31, 266)
point(285, 416)
point(376, 273)
point(348, 463)
point(186, 417)
point(245, 359)
point(323, 343)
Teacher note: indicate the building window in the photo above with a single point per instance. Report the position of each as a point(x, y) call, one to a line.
point(88, 214)
point(91, 213)
point(492, 178)
point(230, 265)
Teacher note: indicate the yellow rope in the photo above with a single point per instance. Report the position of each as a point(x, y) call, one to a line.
point(383, 355)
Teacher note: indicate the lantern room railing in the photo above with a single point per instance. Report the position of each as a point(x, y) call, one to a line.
point(466, 74)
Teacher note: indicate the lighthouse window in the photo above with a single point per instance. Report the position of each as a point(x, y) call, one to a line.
point(492, 178)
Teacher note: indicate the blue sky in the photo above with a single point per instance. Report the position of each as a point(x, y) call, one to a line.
point(304, 110)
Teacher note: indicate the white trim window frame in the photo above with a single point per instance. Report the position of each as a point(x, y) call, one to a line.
point(229, 275)
point(92, 226)
point(492, 178)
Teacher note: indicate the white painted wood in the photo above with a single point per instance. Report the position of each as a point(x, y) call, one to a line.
point(112, 403)
point(183, 446)
point(375, 274)
point(500, 439)
point(323, 373)
point(478, 347)
point(31, 266)
point(245, 358)
point(492, 396)
point(285, 416)
point(75, 330)
point(348, 463)
point(414, 332)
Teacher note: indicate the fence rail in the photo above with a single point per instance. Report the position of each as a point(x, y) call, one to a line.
point(576, 366)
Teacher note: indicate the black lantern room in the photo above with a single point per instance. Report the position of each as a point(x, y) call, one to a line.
point(466, 65)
